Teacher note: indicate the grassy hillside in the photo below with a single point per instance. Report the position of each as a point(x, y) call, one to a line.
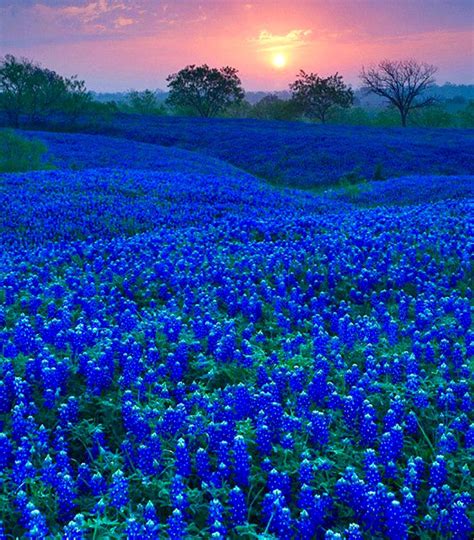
point(78, 151)
point(307, 155)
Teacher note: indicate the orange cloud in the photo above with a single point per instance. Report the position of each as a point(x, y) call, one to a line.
point(91, 17)
point(120, 22)
point(270, 42)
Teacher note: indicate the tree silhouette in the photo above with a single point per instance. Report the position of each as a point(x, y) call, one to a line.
point(145, 102)
point(401, 82)
point(318, 97)
point(28, 89)
point(206, 91)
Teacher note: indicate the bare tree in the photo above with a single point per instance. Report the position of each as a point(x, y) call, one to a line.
point(401, 82)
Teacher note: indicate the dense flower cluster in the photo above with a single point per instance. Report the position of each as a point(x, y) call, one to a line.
point(198, 356)
point(52, 206)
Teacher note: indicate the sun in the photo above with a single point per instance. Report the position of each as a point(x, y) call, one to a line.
point(279, 60)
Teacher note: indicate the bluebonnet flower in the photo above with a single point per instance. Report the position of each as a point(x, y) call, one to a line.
point(350, 410)
point(203, 467)
point(373, 476)
point(242, 400)
point(368, 430)
point(460, 524)
point(178, 496)
point(145, 460)
point(133, 529)
point(306, 472)
point(263, 439)
point(319, 428)
point(241, 465)
point(373, 512)
point(353, 532)
point(5, 451)
point(74, 530)
point(67, 494)
point(391, 444)
point(98, 485)
point(277, 516)
point(279, 481)
point(176, 526)
point(332, 535)
point(5, 397)
point(238, 506)
point(37, 526)
point(303, 525)
point(438, 472)
point(149, 512)
point(24, 337)
point(216, 517)
point(396, 522)
point(470, 436)
point(118, 490)
point(22, 505)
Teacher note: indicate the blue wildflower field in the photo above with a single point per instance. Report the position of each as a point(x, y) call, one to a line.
point(311, 156)
point(189, 352)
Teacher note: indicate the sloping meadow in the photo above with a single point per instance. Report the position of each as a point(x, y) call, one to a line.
point(406, 190)
point(193, 356)
point(307, 155)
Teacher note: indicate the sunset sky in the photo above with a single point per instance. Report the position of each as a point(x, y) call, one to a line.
point(116, 45)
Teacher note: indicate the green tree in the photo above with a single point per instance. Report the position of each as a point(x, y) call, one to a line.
point(205, 91)
point(386, 117)
point(28, 89)
point(45, 92)
point(466, 116)
point(145, 102)
point(402, 83)
point(77, 99)
point(433, 117)
point(355, 116)
point(318, 96)
point(239, 109)
point(272, 107)
point(15, 84)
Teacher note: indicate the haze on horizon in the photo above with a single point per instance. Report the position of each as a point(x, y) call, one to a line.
point(115, 45)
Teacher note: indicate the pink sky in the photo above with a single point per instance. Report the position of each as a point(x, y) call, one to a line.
point(116, 45)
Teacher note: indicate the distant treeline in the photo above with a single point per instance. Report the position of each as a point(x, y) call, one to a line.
point(31, 95)
point(457, 93)
point(456, 111)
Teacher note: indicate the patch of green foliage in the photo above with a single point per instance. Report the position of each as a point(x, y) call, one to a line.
point(353, 182)
point(18, 154)
point(379, 172)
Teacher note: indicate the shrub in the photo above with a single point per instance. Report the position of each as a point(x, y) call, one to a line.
point(379, 172)
point(353, 182)
point(466, 116)
point(19, 154)
point(434, 117)
point(353, 177)
point(145, 102)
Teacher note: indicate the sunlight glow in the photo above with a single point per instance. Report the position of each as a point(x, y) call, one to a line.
point(279, 60)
